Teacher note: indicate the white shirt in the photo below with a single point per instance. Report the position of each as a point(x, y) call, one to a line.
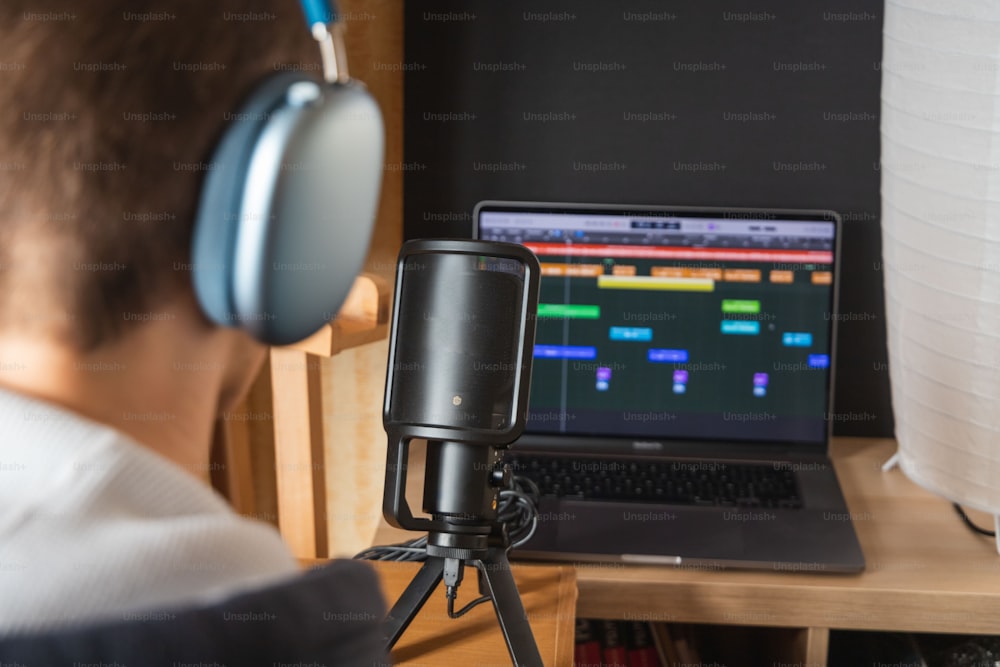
point(94, 526)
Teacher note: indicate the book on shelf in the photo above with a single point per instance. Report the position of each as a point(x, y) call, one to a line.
point(641, 648)
point(613, 650)
point(609, 643)
point(587, 649)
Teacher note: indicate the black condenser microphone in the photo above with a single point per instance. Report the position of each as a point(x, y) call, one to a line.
point(462, 340)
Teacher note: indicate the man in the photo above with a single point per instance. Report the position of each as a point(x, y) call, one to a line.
point(111, 378)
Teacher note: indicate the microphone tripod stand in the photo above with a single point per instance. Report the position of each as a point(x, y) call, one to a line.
point(467, 538)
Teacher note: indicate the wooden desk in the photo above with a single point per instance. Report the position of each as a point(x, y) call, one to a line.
point(433, 639)
point(926, 572)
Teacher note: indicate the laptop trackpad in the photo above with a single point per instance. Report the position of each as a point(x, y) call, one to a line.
point(631, 528)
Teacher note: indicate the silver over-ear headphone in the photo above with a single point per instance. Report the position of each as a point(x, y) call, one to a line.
point(287, 209)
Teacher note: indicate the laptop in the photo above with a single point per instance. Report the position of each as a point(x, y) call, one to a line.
point(681, 389)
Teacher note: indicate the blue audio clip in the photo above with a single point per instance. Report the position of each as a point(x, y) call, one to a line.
point(319, 11)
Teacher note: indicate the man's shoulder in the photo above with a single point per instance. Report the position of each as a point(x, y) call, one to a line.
point(50, 453)
point(96, 526)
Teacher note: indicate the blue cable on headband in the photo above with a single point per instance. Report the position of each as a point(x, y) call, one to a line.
point(319, 11)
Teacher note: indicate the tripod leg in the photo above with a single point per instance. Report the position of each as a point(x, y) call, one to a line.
point(495, 572)
point(412, 599)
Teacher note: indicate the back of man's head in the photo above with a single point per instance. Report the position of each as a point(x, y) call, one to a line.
point(111, 112)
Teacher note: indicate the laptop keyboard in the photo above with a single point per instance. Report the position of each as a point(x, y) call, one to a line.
point(675, 482)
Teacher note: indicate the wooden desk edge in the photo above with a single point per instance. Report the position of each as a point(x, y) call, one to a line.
point(770, 605)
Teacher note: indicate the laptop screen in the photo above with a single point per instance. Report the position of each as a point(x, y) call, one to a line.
point(694, 324)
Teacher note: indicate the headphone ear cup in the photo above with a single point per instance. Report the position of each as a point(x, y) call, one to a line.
point(218, 218)
point(287, 208)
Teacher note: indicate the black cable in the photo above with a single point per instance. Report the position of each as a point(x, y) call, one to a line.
point(465, 610)
point(411, 550)
point(972, 526)
point(518, 509)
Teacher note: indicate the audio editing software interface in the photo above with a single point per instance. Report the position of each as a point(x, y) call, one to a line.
point(686, 326)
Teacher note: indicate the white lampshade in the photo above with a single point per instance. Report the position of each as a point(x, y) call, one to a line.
point(940, 128)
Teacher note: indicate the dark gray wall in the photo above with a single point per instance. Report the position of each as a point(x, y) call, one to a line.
point(700, 102)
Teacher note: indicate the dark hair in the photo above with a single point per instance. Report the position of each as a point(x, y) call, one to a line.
point(111, 110)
